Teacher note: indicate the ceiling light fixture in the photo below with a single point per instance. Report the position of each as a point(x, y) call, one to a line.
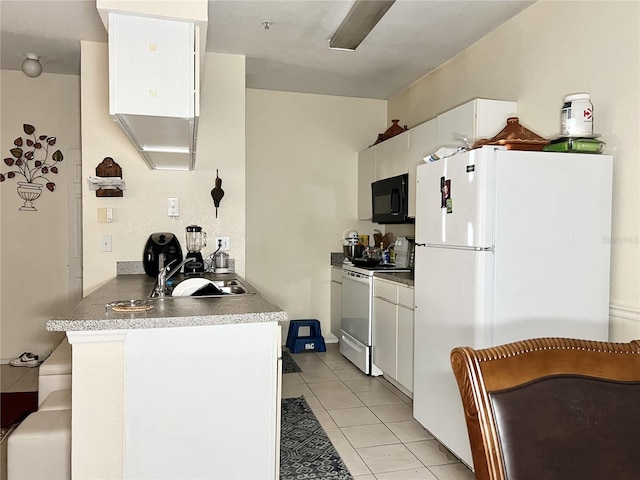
point(31, 66)
point(363, 16)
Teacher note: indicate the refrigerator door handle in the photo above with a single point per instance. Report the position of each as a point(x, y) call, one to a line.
point(456, 247)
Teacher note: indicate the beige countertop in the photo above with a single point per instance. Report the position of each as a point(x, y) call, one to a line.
point(92, 313)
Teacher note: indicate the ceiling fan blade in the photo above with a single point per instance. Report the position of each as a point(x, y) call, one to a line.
point(363, 16)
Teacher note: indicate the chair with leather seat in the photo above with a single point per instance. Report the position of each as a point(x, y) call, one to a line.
point(552, 409)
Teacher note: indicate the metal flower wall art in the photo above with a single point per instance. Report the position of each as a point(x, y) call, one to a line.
point(30, 160)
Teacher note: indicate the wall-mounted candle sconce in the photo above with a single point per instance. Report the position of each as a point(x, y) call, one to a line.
point(217, 193)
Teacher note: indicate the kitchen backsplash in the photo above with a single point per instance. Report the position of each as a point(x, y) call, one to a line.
point(136, 267)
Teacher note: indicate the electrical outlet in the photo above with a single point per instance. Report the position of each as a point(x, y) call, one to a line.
point(224, 243)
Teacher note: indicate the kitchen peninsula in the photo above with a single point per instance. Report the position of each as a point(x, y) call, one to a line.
point(187, 389)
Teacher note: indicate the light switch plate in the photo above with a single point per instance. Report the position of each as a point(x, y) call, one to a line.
point(173, 207)
point(105, 243)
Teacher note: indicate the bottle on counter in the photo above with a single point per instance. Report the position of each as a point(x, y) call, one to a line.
point(385, 253)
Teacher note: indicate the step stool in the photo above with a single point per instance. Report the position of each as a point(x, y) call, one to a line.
point(296, 342)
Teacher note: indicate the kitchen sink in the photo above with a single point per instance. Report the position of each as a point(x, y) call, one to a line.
point(207, 286)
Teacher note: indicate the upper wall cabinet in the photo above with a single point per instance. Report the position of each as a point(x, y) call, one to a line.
point(392, 156)
point(384, 160)
point(153, 86)
point(423, 140)
point(479, 118)
point(366, 176)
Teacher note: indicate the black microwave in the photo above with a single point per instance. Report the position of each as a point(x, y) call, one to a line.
point(389, 200)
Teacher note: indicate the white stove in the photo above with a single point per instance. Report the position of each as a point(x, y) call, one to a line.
point(357, 314)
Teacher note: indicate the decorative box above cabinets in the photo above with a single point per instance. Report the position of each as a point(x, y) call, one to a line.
point(153, 86)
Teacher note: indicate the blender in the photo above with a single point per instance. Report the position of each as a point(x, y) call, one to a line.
point(196, 241)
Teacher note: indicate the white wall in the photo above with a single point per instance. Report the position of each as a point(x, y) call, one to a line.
point(35, 245)
point(550, 50)
point(142, 209)
point(302, 160)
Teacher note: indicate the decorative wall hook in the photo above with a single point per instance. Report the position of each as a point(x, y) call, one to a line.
point(217, 193)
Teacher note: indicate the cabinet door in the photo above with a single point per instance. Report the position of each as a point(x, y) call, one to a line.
point(405, 348)
point(384, 336)
point(156, 384)
point(152, 66)
point(491, 116)
point(423, 140)
point(392, 156)
point(479, 118)
point(366, 176)
point(336, 300)
point(457, 121)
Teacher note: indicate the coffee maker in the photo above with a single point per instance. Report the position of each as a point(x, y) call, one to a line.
point(196, 241)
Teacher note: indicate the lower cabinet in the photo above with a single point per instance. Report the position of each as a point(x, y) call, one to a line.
point(393, 331)
point(186, 389)
point(405, 346)
point(336, 300)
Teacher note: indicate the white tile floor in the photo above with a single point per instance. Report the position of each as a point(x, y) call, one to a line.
point(369, 421)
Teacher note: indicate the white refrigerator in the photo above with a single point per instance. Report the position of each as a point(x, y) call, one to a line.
point(509, 245)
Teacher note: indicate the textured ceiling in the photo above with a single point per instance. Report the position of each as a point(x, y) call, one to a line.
point(412, 39)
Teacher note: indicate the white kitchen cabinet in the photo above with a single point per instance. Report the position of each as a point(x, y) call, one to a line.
point(141, 48)
point(387, 159)
point(392, 156)
point(366, 176)
point(336, 300)
point(405, 337)
point(423, 140)
point(385, 332)
point(153, 86)
point(479, 118)
point(393, 332)
point(185, 388)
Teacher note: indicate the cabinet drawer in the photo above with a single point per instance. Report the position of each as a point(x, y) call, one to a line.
point(386, 290)
point(405, 297)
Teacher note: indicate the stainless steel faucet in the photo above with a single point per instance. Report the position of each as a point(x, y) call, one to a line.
point(164, 275)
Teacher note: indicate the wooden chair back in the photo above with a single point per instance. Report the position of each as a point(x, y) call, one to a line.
point(552, 409)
